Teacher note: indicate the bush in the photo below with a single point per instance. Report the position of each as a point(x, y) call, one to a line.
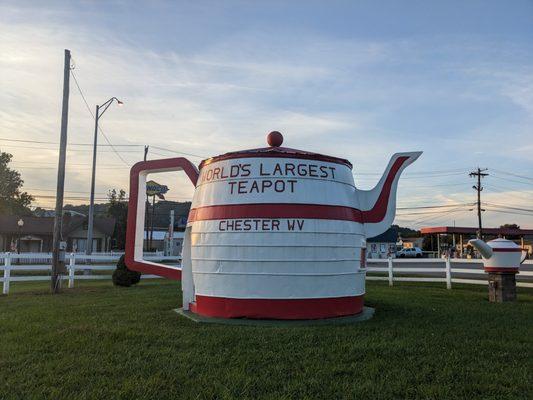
point(123, 276)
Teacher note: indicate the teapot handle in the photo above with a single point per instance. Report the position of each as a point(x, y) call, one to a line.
point(136, 213)
point(525, 252)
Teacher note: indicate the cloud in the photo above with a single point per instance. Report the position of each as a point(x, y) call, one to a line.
point(361, 99)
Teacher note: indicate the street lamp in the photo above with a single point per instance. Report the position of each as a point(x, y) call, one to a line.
point(100, 110)
point(20, 224)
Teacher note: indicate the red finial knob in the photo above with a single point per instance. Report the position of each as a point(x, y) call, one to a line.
point(274, 139)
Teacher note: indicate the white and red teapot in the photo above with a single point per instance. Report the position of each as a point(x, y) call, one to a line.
point(500, 255)
point(272, 232)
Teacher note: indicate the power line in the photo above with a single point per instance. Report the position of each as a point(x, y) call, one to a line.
point(99, 145)
point(69, 150)
point(508, 207)
point(177, 152)
point(437, 206)
point(70, 144)
point(444, 214)
point(18, 163)
point(510, 173)
point(511, 180)
point(520, 193)
point(444, 171)
point(509, 212)
point(76, 168)
point(421, 213)
point(439, 185)
point(408, 176)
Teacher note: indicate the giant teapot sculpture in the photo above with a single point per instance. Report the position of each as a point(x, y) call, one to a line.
point(273, 233)
point(500, 255)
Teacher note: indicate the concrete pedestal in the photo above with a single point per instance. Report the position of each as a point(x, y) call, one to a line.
point(367, 313)
point(502, 287)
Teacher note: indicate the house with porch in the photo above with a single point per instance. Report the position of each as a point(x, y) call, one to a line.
point(30, 234)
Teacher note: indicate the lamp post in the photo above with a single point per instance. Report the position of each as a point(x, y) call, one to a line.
point(20, 224)
point(100, 110)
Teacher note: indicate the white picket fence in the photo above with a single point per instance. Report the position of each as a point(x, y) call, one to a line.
point(73, 262)
point(445, 269)
point(107, 262)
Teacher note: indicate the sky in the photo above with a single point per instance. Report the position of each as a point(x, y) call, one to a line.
point(354, 79)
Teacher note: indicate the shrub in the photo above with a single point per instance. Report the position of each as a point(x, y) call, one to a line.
point(123, 276)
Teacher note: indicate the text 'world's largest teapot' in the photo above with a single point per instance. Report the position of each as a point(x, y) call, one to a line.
point(272, 232)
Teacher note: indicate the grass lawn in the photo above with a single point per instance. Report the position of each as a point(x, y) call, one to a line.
point(98, 341)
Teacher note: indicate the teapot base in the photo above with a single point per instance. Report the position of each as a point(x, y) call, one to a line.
point(282, 309)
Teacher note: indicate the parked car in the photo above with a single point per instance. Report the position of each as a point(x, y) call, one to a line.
point(409, 252)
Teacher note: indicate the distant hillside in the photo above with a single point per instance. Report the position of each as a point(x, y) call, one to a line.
point(407, 232)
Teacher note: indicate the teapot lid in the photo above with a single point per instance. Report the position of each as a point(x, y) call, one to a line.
point(501, 243)
point(275, 140)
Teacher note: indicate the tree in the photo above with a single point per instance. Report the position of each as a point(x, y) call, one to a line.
point(118, 208)
point(406, 232)
point(511, 226)
point(12, 200)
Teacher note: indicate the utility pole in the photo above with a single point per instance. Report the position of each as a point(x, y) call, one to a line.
point(171, 233)
point(146, 204)
point(58, 218)
point(89, 246)
point(152, 222)
point(103, 107)
point(479, 173)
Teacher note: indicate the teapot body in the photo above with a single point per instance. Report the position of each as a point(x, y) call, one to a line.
point(506, 256)
point(276, 237)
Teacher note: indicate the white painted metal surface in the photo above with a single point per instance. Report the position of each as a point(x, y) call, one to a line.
point(282, 258)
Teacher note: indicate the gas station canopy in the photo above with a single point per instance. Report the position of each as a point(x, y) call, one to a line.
point(472, 231)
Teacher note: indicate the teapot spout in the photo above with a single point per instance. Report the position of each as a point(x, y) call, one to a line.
point(378, 205)
point(482, 247)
